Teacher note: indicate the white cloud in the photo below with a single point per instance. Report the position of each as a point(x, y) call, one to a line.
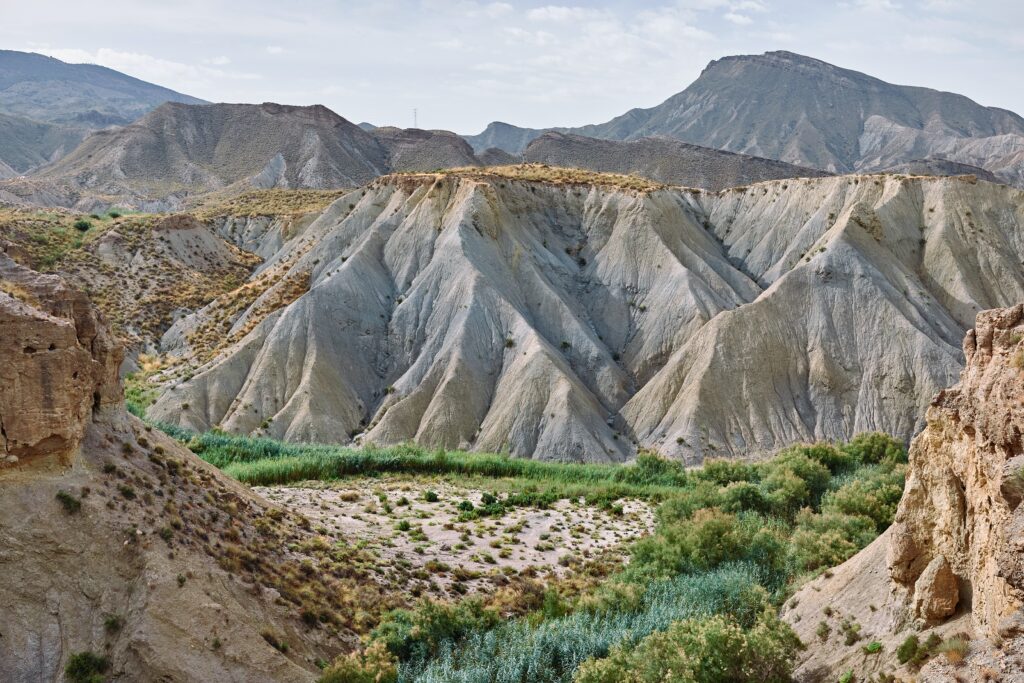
point(558, 13)
point(749, 6)
point(275, 50)
point(738, 19)
point(879, 5)
point(218, 61)
point(169, 73)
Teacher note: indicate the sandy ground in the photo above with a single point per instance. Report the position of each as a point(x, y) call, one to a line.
point(425, 543)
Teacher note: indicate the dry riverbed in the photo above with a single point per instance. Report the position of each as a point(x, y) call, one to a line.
point(419, 535)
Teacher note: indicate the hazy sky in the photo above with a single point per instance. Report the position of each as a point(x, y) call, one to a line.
point(463, 63)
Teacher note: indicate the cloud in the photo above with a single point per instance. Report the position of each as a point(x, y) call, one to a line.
point(218, 61)
point(738, 19)
point(878, 5)
point(557, 13)
point(177, 75)
point(275, 50)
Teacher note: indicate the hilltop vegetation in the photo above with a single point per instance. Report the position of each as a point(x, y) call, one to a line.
point(556, 175)
point(271, 202)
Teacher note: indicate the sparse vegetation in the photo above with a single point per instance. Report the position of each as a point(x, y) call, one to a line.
point(731, 540)
point(70, 503)
point(86, 667)
point(555, 175)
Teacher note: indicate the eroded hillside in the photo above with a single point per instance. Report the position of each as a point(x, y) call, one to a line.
point(570, 315)
point(126, 556)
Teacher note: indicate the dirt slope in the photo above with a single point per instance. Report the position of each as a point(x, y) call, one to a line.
point(119, 542)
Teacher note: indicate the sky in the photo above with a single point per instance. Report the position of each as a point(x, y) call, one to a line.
point(464, 63)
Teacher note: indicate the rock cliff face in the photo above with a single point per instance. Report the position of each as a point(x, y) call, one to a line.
point(118, 542)
point(953, 561)
point(59, 367)
point(579, 320)
point(958, 525)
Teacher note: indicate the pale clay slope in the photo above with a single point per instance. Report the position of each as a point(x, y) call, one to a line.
point(697, 324)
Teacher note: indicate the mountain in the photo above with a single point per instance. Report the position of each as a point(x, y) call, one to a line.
point(505, 136)
point(412, 149)
point(47, 107)
point(951, 563)
point(179, 152)
point(26, 144)
point(572, 315)
point(662, 159)
point(42, 88)
point(806, 112)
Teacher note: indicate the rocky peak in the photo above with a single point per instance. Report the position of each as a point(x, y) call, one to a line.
point(60, 368)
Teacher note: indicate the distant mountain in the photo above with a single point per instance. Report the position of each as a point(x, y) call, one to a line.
point(25, 144)
point(804, 111)
point(47, 107)
point(505, 136)
point(412, 149)
point(662, 159)
point(492, 156)
point(46, 89)
point(178, 152)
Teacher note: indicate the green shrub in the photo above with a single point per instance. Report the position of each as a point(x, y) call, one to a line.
point(871, 448)
point(113, 623)
point(710, 650)
point(907, 650)
point(372, 665)
point(418, 634)
point(874, 492)
point(872, 648)
point(725, 472)
point(86, 667)
point(82, 225)
point(430, 496)
point(70, 503)
point(709, 539)
point(828, 539)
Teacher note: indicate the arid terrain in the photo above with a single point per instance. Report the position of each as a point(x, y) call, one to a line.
point(726, 389)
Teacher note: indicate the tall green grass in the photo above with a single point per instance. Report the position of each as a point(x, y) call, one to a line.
point(550, 652)
point(266, 462)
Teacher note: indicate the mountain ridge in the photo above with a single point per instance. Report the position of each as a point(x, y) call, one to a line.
point(804, 111)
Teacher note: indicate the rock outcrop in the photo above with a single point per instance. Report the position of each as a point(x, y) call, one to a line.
point(554, 316)
point(118, 543)
point(956, 521)
point(59, 367)
point(953, 560)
